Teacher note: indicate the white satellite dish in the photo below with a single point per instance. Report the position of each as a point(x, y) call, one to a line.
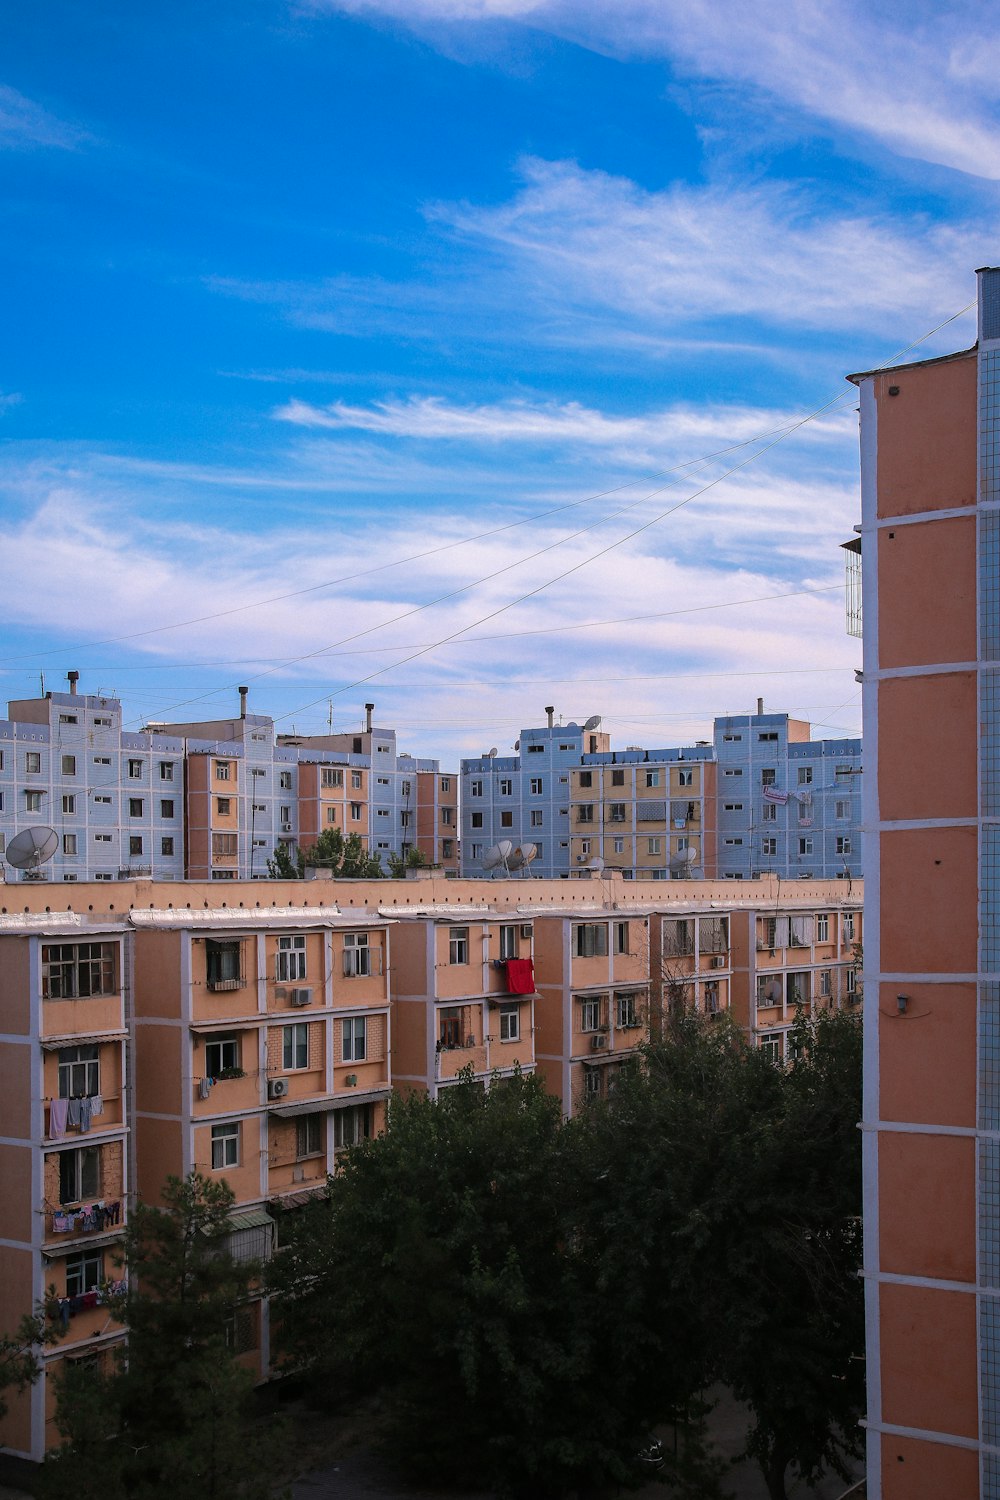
point(517, 744)
point(593, 721)
point(521, 856)
point(596, 864)
point(684, 860)
point(493, 753)
point(528, 852)
point(497, 856)
point(29, 850)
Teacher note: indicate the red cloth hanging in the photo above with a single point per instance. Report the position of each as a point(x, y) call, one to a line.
point(520, 976)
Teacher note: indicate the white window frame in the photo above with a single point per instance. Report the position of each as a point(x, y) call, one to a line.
point(357, 955)
point(510, 1023)
point(458, 945)
point(290, 959)
point(590, 1013)
point(354, 1038)
point(225, 1145)
point(295, 1047)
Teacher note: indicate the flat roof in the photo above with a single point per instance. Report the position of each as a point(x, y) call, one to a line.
point(913, 364)
point(254, 917)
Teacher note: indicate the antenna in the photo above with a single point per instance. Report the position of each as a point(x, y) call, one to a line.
point(592, 722)
point(29, 850)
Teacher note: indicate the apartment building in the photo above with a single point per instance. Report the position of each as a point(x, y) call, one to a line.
point(463, 995)
point(930, 544)
point(763, 799)
point(592, 973)
point(65, 1149)
point(788, 805)
point(650, 814)
point(790, 960)
point(693, 964)
point(207, 800)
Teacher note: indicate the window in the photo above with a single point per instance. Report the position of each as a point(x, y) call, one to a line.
point(842, 809)
point(32, 762)
point(536, 817)
point(590, 940)
point(508, 942)
point(767, 776)
point(621, 937)
point(849, 926)
point(32, 801)
point(404, 787)
point(590, 1015)
point(537, 749)
point(166, 770)
point(823, 927)
point(352, 1125)
point(619, 845)
point(586, 778)
point(769, 846)
point(585, 812)
point(69, 765)
point(771, 1048)
point(75, 971)
point(477, 851)
point(223, 806)
point(102, 838)
point(223, 965)
point(68, 804)
point(102, 723)
point(805, 775)
point(106, 801)
point(805, 846)
point(536, 786)
point(617, 778)
point(737, 843)
point(824, 981)
point(285, 780)
point(79, 1072)
point(652, 778)
point(685, 778)
point(476, 820)
point(476, 789)
point(625, 1012)
point(768, 736)
point(331, 815)
point(295, 1046)
point(769, 812)
point(447, 813)
point(68, 719)
point(355, 812)
point(616, 812)
point(852, 981)
point(652, 846)
point(458, 945)
point(354, 1038)
point(510, 1023)
point(225, 1145)
point(84, 1272)
point(404, 817)
point(79, 1174)
point(506, 820)
point(506, 786)
point(446, 783)
point(584, 846)
point(309, 1136)
point(102, 760)
point(222, 770)
point(357, 954)
point(222, 1055)
point(290, 959)
point(330, 777)
point(135, 807)
point(225, 845)
point(733, 807)
point(355, 782)
point(69, 843)
point(843, 845)
point(447, 848)
point(734, 771)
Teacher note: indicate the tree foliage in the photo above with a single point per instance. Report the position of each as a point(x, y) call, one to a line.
point(19, 1363)
point(175, 1416)
point(348, 858)
point(413, 859)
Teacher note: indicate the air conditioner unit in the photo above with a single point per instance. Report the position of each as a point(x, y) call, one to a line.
point(598, 1042)
point(717, 961)
point(277, 1088)
point(526, 929)
point(301, 997)
point(286, 827)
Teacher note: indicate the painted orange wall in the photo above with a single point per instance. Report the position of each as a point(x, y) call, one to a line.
point(927, 592)
point(915, 1470)
point(927, 1197)
point(929, 1366)
point(927, 1058)
point(927, 437)
point(928, 733)
point(929, 900)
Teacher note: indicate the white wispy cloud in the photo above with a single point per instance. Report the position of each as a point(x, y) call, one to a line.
point(915, 78)
point(23, 122)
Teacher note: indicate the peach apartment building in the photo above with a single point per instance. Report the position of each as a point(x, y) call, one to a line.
point(930, 549)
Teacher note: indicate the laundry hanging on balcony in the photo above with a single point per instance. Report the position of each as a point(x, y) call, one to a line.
point(520, 976)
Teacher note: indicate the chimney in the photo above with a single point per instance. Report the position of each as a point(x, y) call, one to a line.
point(73, 678)
point(549, 712)
point(243, 702)
point(760, 707)
point(369, 710)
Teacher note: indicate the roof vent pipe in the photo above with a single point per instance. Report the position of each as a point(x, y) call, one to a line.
point(549, 712)
point(369, 710)
point(760, 707)
point(243, 702)
point(72, 678)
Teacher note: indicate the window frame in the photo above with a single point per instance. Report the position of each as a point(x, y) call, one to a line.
point(227, 1137)
point(295, 1047)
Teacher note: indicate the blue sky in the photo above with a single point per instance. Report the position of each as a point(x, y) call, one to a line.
point(434, 352)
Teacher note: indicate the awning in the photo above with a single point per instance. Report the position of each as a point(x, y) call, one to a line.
point(239, 1023)
point(80, 1039)
point(69, 1244)
point(327, 1103)
point(300, 1197)
point(251, 1218)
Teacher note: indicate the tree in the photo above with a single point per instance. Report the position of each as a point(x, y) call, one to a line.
point(177, 1412)
point(445, 1269)
point(348, 858)
point(283, 864)
point(413, 859)
point(19, 1364)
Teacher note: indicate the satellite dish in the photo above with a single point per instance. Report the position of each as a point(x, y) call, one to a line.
point(773, 992)
point(596, 864)
point(684, 860)
point(493, 752)
point(528, 852)
point(516, 859)
point(593, 721)
point(517, 744)
point(497, 856)
point(29, 849)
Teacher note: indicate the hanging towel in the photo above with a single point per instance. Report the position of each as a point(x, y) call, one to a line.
point(60, 1224)
point(520, 976)
point(97, 1105)
point(86, 1110)
point(58, 1109)
point(204, 1088)
point(73, 1112)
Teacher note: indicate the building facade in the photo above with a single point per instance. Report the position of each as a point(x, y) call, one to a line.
point(930, 548)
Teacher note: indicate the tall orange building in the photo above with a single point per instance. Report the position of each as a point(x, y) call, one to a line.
point(930, 475)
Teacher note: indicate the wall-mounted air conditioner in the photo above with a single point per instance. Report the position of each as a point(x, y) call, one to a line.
point(301, 997)
point(277, 1088)
point(598, 1042)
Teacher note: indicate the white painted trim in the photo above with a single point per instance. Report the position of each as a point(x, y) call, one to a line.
point(934, 1283)
point(925, 669)
point(920, 1127)
point(890, 825)
point(925, 1435)
point(917, 518)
